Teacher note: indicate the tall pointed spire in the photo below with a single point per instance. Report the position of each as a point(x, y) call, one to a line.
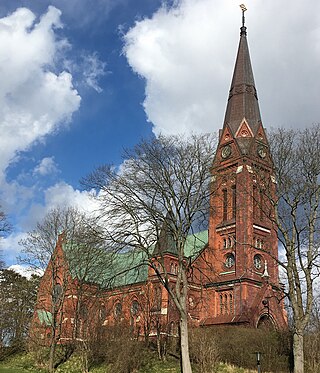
point(243, 101)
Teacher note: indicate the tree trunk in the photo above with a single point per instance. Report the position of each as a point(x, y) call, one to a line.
point(298, 356)
point(52, 354)
point(184, 345)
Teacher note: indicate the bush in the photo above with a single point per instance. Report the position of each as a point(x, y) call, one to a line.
point(123, 352)
point(204, 350)
point(238, 346)
point(312, 352)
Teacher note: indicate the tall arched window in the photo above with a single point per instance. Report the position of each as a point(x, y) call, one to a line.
point(226, 304)
point(231, 303)
point(134, 307)
point(234, 201)
point(225, 205)
point(118, 310)
point(157, 297)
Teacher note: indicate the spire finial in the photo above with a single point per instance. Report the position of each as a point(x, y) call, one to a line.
point(265, 273)
point(243, 28)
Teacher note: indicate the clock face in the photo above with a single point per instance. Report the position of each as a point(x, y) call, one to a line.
point(262, 152)
point(226, 151)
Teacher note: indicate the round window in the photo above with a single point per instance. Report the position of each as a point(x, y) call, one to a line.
point(230, 260)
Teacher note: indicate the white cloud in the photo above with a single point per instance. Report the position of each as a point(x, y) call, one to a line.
point(59, 195)
point(93, 70)
point(25, 271)
point(34, 100)
point(46, 166)
point(186, 55)
point(10, 246)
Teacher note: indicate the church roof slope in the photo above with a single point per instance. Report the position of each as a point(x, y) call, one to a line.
point(110, 270)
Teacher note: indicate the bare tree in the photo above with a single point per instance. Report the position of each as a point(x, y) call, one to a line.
point(163, 184)
point(4, 224)
point(5, 227)
point(78, 233)
point(294, 209)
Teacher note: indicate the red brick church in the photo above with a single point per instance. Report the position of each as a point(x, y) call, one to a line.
point(236, 279)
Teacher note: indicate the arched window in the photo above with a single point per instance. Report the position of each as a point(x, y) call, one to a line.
point(103, 313)
point(134, 307)
point(234, 201)
point(226, 304)
point(231, 303)
point(175, 269)
point(157, 297)
point(225, 205)
point(221, 304)
point(171, 268)
point(83, 311)
point(225, 243)
point(117, 310)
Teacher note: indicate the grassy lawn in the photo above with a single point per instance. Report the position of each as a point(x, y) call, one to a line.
point(23, 363)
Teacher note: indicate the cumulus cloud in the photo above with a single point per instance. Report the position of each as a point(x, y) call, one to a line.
point(59, 195)
point(35, 101)
point(10, 246)
point(186, 55)
point(46, 166)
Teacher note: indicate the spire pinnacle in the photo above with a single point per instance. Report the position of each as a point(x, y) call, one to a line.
point(242, 106)
point(243, 29)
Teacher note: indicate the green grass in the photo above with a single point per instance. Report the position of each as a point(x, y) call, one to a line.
point(24, 363)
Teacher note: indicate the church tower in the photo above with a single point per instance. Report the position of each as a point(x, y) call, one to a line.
point(242, 238)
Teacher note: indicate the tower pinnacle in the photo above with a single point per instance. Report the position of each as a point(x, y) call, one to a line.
point(242, 107)
point(243, 29)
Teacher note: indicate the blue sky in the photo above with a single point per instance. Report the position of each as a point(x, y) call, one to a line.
point(80, 80)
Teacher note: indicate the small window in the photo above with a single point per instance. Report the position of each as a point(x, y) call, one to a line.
point(257, 261)
point(171, 268)
point(230, 261)
point(228, 242)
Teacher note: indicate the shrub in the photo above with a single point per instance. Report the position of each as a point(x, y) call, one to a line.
point(203, 350)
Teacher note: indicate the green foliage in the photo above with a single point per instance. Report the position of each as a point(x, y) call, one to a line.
point(17, 299)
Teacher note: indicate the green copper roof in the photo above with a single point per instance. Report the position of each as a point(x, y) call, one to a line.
point(110, 270)
point(45, 317)
point(195, 243)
